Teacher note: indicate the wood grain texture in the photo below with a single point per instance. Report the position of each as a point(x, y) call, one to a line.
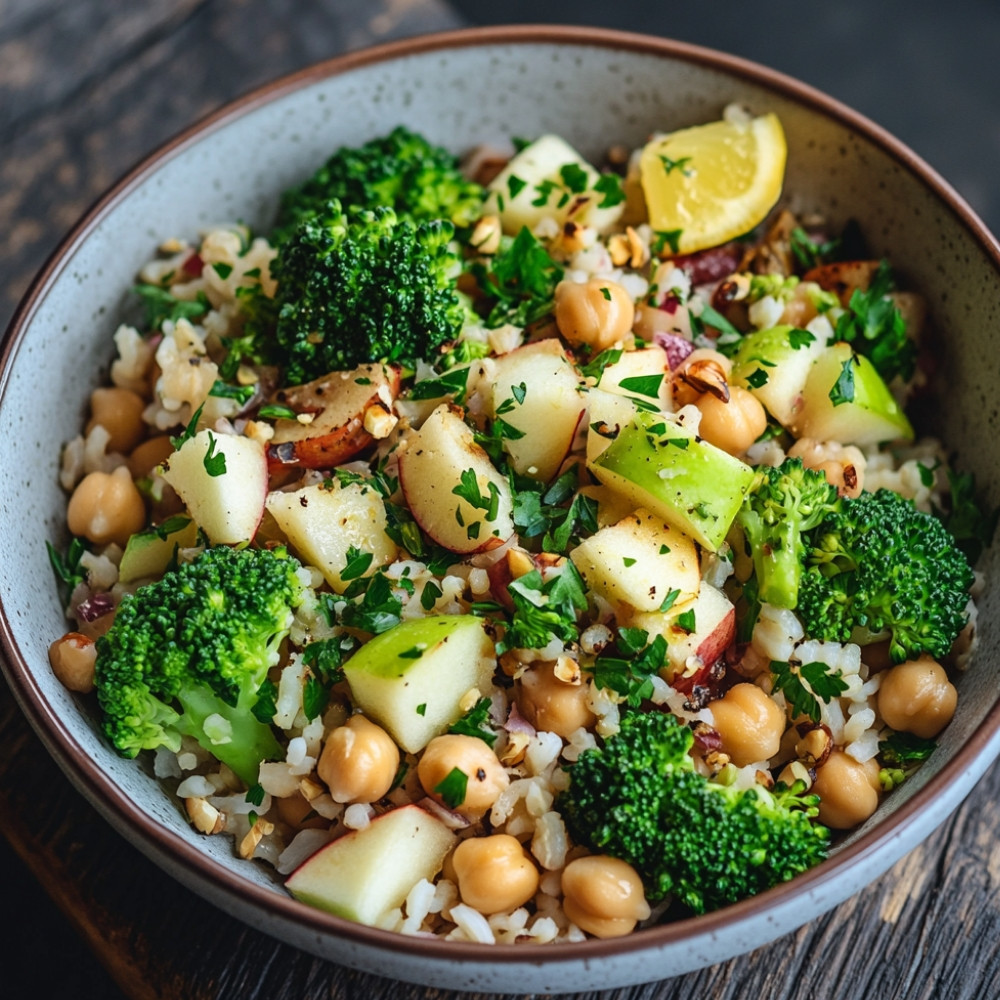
point(927, 930)
point(86, 89)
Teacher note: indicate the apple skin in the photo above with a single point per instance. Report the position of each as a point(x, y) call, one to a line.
point(365, 874)
point(431, 463)
point(147, 555)
point(714, 633)
point(663, 468)
point(228, 507)
point(771, 354)
point(337, 403)
point(412, 678)
point(871, 417)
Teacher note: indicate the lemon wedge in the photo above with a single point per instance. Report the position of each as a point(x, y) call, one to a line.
point(711, 183)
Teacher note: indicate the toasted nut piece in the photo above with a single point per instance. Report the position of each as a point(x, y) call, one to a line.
point(205, 818)
point(485, 238)
point(260, 829)
point(814, 747)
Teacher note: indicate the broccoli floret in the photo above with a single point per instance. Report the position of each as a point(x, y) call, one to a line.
point(375, 288)
point(880, 566)
point(781, 507)
point(187, 654)
point(639, 798)
point(402, 171)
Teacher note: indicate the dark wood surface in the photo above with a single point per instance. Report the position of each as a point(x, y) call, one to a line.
point(86, 88)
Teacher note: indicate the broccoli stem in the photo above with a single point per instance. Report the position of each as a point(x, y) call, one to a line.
point(251, 741)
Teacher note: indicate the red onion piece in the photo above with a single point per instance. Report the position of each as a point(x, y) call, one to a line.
point(676, 346)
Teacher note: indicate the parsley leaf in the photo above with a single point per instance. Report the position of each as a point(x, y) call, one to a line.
point(843, 389)
point(452, 788)
point(628, 671)
point(805, 685)
point(476, 722)
point(544, 611)
point(214, 461)
point(161, 306)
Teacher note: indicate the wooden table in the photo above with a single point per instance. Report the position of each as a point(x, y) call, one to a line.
point(86, 88)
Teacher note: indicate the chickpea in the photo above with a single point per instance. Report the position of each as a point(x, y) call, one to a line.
point(106, 507)
point(72, 659)
point(485, 775)
point(297, 811)
point(553, 705)
point(848, 790)
point(359, 761)
point(917, 697)
point(843, 465)
point(603, 896)
point(596, 313)
point(494, 874)
point(119, 412)
point(148, 455)
point(734, 425)
point(750, 723)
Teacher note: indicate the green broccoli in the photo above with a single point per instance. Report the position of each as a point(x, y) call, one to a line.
point(878, 566)
point(639, 798)
point(186, 656)
point(375, 288)
point(781, 507)
point(402, 171)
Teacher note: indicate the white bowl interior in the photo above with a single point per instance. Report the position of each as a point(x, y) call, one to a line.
point(461, 96)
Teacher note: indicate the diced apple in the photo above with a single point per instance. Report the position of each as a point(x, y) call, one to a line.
point(365, 874)
point(691, 654)
point(661, 466)
point(222, 479)
point(412, 678)
point(548, 179)
point(324, 521)
point(340, 415)
point(149, 552)
point(642, 374)
point(846, 400)
point(432, 463)
point(774, 365)
point(607, 414)
point(537, 391)
point(638, 562)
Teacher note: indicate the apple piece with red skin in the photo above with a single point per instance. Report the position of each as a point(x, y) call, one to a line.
point(537, 391)
point(345, 408)
point(223, 480)
point(364, 874)
point(432, 463)
point(692, 654)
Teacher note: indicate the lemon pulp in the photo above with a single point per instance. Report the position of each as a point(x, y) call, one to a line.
point(711, 183)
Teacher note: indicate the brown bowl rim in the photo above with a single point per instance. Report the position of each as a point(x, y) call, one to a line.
point(193, 866)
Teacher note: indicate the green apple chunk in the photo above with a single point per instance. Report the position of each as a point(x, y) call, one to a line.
point(222, 479)
point(324, 522)
point(607, 413)
point(148, 553)
point(663, 467)
point(774, 365)
point(639, 562)
point(846, 400)
point(365, 874)
point(413, 678)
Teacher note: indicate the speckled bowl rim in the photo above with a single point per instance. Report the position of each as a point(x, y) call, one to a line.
point(184, 859)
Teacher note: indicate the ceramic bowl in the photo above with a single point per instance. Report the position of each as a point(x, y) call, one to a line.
point(595, 88)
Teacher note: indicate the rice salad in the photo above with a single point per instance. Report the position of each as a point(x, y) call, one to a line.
point(513, 549)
